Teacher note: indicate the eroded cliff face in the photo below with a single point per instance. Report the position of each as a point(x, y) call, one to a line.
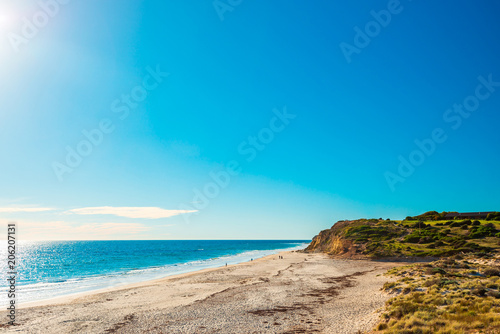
point(332, 241)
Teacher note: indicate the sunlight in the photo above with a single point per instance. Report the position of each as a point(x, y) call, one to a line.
point(7, 18)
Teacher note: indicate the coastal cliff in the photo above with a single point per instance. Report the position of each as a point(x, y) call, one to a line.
point(356, 238)
point(376, 238)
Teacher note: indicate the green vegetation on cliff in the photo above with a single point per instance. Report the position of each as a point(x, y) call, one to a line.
point(375, 238)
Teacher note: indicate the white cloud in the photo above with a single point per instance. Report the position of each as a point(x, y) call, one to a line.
point(24, 209)
point(130, 212)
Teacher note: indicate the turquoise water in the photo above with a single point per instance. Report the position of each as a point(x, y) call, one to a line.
point(48, 269)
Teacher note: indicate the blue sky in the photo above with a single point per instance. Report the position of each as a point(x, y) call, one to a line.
point(218, 76)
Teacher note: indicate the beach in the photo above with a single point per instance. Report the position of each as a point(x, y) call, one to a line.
point(290, 292)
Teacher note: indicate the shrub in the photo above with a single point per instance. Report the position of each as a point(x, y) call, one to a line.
point(476, 223)
point(482, 231)
point(439, 243)
point(407, 290)
point(425, 240)
point(434, 271)
point(494, 294)
point(482, 254)
point(449, 262)
point(412, 238)
point(457, 243)
point(493, 216)
point(479, 291)
point(446, 282)
point(491, 272)
point(389, 285)
point(431, 282)
point(419, 225)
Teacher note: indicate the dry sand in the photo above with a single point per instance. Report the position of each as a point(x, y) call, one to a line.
point(302, 293)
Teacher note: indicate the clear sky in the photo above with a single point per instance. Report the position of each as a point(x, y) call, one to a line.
point(117, 116)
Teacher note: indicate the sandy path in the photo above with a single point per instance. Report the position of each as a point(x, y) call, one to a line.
point(302, 293)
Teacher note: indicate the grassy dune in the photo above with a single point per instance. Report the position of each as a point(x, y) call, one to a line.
point(453, 295)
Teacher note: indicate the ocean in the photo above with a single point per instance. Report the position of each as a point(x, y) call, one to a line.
point(47, 269)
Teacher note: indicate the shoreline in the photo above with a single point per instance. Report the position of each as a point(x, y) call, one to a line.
point(120, 271)
point(298, 293)
point(70, 297)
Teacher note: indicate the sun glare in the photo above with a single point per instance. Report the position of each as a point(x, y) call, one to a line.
point(4, 18)
point(7, 18)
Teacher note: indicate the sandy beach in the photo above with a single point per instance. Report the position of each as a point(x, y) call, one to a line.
point(301, 293)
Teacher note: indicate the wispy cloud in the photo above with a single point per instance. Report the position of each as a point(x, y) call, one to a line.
point(61, 230)
point(130, 212)
point(24, 209)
